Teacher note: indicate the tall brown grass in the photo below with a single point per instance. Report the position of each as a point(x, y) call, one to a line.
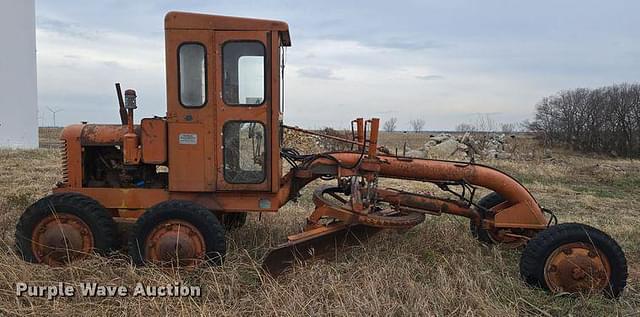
point(434, 269)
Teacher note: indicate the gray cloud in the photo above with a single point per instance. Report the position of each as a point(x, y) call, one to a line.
point(318, 73)
point(65, 28)
point(430, 77)
point(403, 43)
point(497, 56)
point(112, 64)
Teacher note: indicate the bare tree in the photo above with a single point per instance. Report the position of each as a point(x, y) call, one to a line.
point(508, 127)
point(484, 123)
point(526, 126)
point(390, 125)
point(466, 127)
point(417, 125)
point(603, 120)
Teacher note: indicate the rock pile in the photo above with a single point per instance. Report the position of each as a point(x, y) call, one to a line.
point(496, 146)
point(463, 146)
point(446, 146)
point(303, 142)
point(308, 144)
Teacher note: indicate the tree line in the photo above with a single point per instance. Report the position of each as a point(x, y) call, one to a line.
point(602, 120)
point(484, 123)
point(417, 125)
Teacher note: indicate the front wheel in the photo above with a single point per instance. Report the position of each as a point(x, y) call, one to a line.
point(494, 236)
point(63, 228)
point(574, 258)
point(489, 201)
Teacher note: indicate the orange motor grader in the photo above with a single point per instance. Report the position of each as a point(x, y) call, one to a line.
point(183, 179)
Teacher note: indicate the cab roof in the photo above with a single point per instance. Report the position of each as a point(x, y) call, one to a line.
point(190, 21)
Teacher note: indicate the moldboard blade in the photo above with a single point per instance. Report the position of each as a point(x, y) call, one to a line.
point(318, 243)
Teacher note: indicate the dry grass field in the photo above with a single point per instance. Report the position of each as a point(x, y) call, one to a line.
point(436, 268)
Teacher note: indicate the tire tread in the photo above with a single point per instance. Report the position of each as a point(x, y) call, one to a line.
point(103, 227)
point(210, 227)
point(535, 254)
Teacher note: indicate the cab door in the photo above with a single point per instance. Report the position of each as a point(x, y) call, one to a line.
point(190, 110)
point(243, 110)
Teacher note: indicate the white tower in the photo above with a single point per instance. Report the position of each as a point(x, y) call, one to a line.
point(18, 81)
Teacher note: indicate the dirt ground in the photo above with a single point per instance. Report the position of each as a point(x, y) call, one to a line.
point(436, 268)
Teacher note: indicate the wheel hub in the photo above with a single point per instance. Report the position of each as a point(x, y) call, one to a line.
point(175, 243)
point(577, 267)
point(61, 238)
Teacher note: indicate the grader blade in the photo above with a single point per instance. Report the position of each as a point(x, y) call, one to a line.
point(322, 242)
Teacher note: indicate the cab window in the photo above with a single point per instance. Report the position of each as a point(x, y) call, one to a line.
point(244, 152)
point(243, 73)
point(192, 72)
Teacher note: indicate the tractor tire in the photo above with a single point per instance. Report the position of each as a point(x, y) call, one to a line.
point(177, 232)
point(64, 227)
point(489, 201)
point(573, 257)
point(234, 220)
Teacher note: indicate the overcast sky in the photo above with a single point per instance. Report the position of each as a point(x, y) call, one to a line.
point(443, 61)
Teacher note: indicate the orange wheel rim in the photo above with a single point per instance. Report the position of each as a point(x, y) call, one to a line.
point(61, 238)
point(175, 243)
point(577, 267)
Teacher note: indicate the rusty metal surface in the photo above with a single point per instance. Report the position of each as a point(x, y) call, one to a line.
point(102, 134)
point(206, 156)
point(130, 140)
point(343, 211)
point(130, 150)
point(334, 224)
point(123, 198)
point(192, 169)
point(508, 239)
point(319, 243)
point(577, 267)
point(122, 111)
point(360, 133)
point(373, 137)
point(228, 113)
point(61, 238)
point(72, 156)
point(120, 199)
point(153, 139)
point(195, 21)
point(427, 202)
point(175, 243)
point(523, 212)
point(65, 162)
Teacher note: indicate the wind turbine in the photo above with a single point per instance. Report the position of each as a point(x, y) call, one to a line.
point(53, 111)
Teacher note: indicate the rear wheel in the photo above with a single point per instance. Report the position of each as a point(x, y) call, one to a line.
point(574, 258)
point(65, 227)
point(177, 233)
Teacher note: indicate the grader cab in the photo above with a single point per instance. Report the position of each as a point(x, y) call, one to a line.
point(183, 179)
